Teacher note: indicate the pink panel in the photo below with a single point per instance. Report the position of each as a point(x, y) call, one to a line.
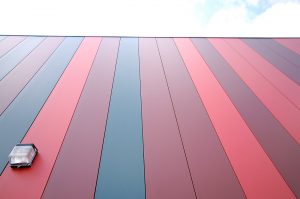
point(50, 126)
point(257, 175)
point(211, 171)
point(166, 169)
point(286, 86)
point(292, 44)
point(86, 130)
point(15, 81)
point(280, 106)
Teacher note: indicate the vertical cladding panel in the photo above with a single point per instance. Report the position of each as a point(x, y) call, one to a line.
point(8, 43)
point(282, 64)
point(211, 170)
point(286, 86)
point(50, 126)
point(278, 144)
point(257, 175)
point(282, 51)
point(24, 109)
point(121, 172)
point(192, 118)
point(16, 55)
point(75, 171)
point(281, 108)
point(13, 83)
point(166, 169)
point(292, 44)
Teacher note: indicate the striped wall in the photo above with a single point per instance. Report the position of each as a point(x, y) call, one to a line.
point(151, 118)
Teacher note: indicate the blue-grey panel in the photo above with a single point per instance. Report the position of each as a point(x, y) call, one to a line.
point(18, 117)
point(121, 172)
point(16, 55)
point(2, 37)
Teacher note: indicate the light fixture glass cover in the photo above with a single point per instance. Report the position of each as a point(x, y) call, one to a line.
point(22, 155)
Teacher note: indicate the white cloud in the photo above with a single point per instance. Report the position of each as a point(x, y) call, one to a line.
point(227, 22)
point(280, 20)
point(106, 17)
point(146, 18)
point(253, 2)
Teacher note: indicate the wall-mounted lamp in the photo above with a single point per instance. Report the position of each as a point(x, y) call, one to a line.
point(22, 155)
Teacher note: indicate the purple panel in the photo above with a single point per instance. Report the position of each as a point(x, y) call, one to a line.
point(211, 171)
point(75, 171)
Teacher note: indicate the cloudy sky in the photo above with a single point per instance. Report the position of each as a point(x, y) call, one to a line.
point(235, 18)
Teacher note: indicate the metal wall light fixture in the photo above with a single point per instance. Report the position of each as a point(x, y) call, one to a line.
point(22, 155)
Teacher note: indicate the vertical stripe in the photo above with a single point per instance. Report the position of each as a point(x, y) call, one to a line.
point(8, 43)
point(121, 172)
point(212, 174)
point(50, 126)
point(85, 134)
point(289, 55)
point(286, 87)
point(292, 44)
point(166, 168)
point(282, 64)
point(280, 147)
point(13, 83)
point(257, 175)
point(15, 56)
point(281, 108)
point(27, 105)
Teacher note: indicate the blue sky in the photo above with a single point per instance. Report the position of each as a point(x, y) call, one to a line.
point(257, 18)
point(209, 8)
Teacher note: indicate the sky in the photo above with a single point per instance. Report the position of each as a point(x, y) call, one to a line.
point(156, 18)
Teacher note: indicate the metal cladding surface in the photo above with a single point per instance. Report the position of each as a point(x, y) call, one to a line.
point(284, 111)
point(151, 118)
point(24, 109)
point(167, 171)
point(89, 123)
point(53, 121)
point(254, 169)
point(7, 43)
point(285, 66)
point(280, 50)
point(121, 171)
point(12, 84)
point(16, 55)
point(282, 148)
point(212, 174)
point(292, 44)
point(280, 81)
